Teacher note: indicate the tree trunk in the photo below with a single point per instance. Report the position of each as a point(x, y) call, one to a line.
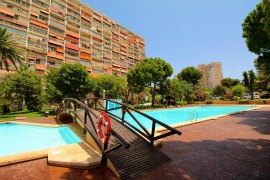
point(153, 95)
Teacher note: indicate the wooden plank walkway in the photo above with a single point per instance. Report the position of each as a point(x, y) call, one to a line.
point(140, 158)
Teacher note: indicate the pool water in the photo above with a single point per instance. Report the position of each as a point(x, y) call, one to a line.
point(181, 115)
point(18, 138)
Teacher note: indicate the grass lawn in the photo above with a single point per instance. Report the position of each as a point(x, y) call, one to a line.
point(24, 113)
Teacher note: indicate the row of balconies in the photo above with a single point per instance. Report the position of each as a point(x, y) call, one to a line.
point(123, 32)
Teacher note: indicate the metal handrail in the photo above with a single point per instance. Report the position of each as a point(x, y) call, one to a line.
point(194, 112)
point(193, 116)
point(126, 109)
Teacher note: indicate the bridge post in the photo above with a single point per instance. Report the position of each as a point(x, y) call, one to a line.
point(104, 156)
point(153, 133)
point(84, 121)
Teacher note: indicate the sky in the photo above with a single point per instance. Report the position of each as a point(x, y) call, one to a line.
point(187, 32)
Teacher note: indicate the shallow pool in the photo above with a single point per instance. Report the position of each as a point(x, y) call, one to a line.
point(182, 115)
point(18, 138)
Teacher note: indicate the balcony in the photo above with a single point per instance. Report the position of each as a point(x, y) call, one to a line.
point(72, 46)
point(40, 67)
point(73, 34)
point(115, 50)
point(86, 56)
point(43, 25)
point(87, 51)
point(56, 41)
point(87, 16)
point(56, 55)
point(58, 10)
point(97, 18)
point(7, 11)
point(13, 21)
point(74, 57)
point(96, 39)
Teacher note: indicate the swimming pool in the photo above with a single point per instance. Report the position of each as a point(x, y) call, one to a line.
point(18, 138)
point(184, 115)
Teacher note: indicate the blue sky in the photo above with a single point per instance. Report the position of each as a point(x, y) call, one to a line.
point(187, 32)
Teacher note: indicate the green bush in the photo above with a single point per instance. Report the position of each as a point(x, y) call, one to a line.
point(209, 102)
point(236, 98)
point(33, 106)
point(181, 103)
point(222, 98)
point(5, 107)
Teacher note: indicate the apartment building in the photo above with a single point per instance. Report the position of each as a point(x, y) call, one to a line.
point(67, 31)
point(212, 74)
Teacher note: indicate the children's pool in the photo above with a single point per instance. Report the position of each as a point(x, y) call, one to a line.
point(183, 115)
point(19, 138)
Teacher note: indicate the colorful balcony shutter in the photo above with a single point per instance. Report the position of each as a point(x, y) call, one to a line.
point(71, 46)
point(39, 23)
point(86, 56)
point(6, 11)
point(41, 67)
point(60, 50)
point(73, 34)
point(55, 42)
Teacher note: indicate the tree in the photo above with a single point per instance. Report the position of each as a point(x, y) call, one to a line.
point(70, 80)
point(266, 19)
point(254, 31)
point(249, 81)
point(149, 72)
point(229, 82)
point(219, 90)
point(262, 64)
point(229, 93)
point(113, 85)
point(9, 51)
point(191, 75)
point(25, 85)
point(199, 94)
point(238, 90)
point(178, 89)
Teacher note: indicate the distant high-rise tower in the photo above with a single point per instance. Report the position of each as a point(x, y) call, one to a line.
point(212, 74)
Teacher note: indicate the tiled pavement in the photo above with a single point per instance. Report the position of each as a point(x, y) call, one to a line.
point(232, 147)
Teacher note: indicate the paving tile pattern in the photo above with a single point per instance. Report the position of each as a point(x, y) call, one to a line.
point(232, 147)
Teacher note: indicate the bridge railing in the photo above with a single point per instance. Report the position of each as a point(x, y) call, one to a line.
point(77, 107)
point(122, 111)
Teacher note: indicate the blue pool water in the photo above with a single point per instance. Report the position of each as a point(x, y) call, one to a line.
point(18, 138)
point(181, 115)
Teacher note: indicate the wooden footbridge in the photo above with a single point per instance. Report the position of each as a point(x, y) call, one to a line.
point(130, 149)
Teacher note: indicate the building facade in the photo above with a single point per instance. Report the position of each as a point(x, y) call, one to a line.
point(212, 74)
point(67, 31)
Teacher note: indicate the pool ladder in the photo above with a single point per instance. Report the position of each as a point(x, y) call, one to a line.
point(192, 116)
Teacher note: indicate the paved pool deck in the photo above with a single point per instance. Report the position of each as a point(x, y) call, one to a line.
point(232, 147)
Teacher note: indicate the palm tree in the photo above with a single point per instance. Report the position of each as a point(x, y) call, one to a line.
point(9, 50)
point(249, 81)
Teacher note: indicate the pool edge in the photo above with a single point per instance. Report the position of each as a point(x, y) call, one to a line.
point(177, 125)
point(30, 155)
